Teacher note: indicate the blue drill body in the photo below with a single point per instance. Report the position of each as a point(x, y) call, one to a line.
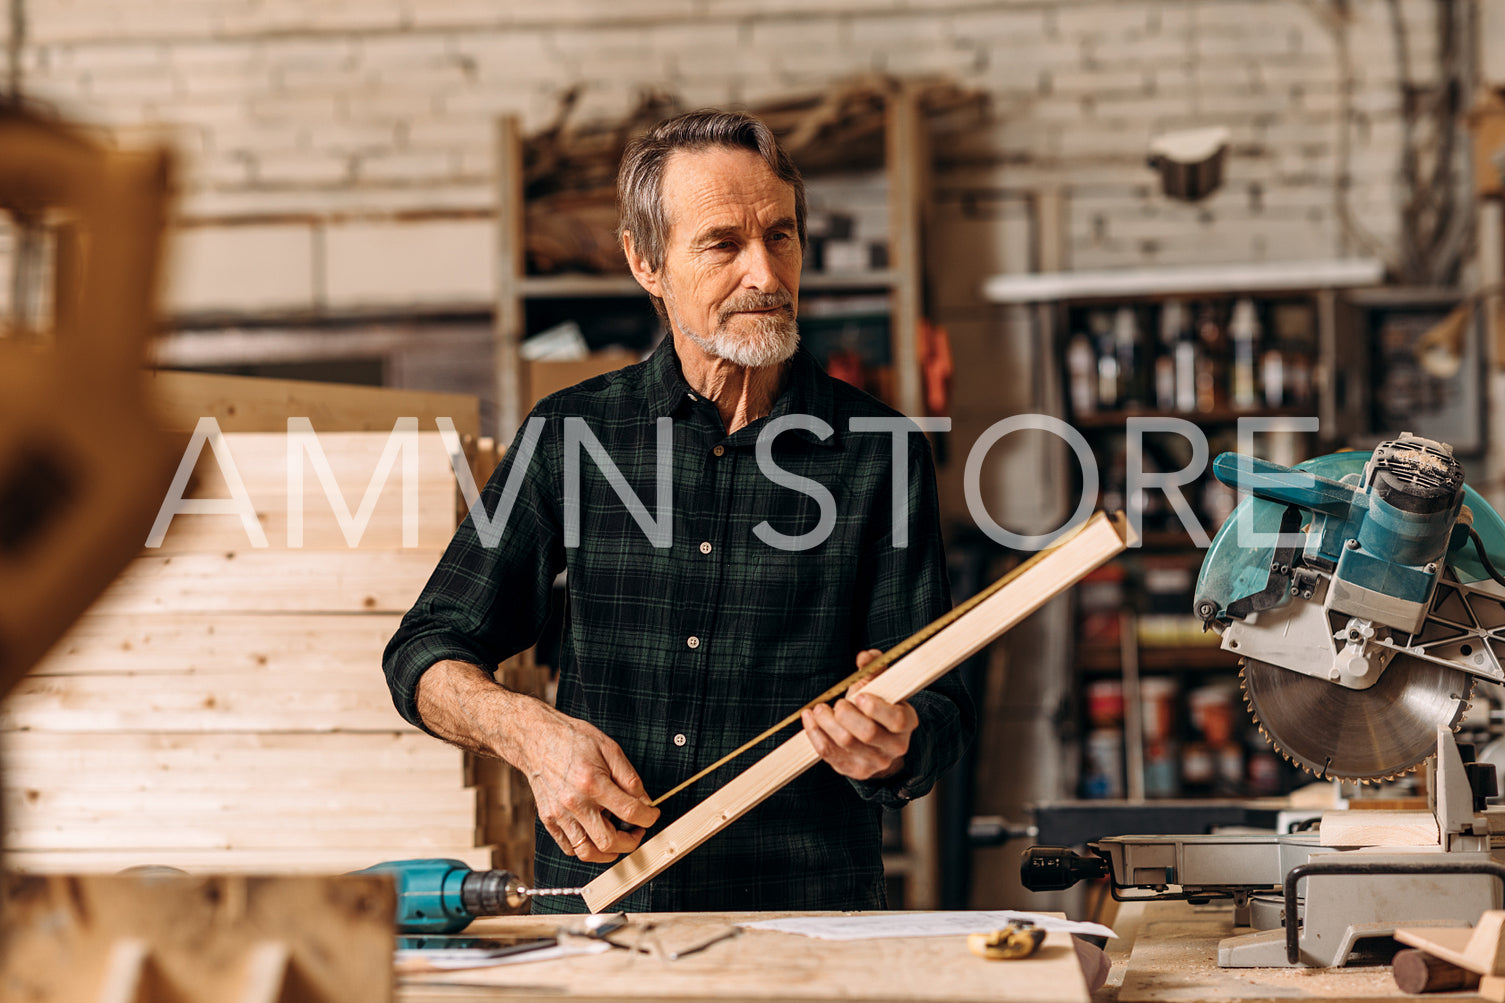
point(436, 895)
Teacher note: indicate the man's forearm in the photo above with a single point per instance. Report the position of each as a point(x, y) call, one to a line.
point(577, 774)
point(464, 705)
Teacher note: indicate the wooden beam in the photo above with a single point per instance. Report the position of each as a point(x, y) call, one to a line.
point(1480, 949)
point(261, 460)
point(1378, 828)
point(203, 702)
point(266, 581)
point(82, 463)
point(266, 644)
point(194, 939)
point(227, 760)
point(302, 860)
point(255, 809)
point(253, 404)
point(509, 322)
point(1008, 601)
point(419, 839)
point(907, 152)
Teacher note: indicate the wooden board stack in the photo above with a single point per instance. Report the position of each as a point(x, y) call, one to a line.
point(222, 707)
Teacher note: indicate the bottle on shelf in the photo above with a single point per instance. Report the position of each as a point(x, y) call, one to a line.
point(1107, 360)
point(1158, 699)
point(1272, 376)
point(1212, 361)
point(1103, 748)
point(1165, 357)
point(1186, 361)
point(1081, 370)
point(1244, 331)
point(1131, 368)
point(1295, 331)
point(1213, 710)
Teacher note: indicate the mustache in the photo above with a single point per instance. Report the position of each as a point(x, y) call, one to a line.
point(758, 301)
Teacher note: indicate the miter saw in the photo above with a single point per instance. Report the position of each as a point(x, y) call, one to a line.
point(1359, 591)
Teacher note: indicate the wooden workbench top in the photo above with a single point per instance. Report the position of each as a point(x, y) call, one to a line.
point(760, 965)
point(1175, 960)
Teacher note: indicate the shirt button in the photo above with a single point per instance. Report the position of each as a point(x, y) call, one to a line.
point(705, 548)
point(679, 740)
point(693, 641)
point(719, 450)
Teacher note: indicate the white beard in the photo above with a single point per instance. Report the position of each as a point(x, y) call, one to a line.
point(763, 339)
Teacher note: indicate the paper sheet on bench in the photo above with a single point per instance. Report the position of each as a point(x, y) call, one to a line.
point(921, 924)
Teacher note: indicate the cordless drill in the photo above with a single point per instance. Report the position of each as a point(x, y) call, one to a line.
point(436, 895)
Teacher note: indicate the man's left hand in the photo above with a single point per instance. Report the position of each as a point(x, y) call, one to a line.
point(862, 736)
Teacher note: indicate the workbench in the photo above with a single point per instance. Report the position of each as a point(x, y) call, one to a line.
point(759, 965)
point(1167, 953)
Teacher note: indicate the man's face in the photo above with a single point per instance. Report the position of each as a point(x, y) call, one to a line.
point(731, 272)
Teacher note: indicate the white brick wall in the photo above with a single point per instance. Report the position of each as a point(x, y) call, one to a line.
point(340, 108)
point(242, 268)
point(435, 263)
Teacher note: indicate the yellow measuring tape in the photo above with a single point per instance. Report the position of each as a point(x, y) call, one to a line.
point(877, 665)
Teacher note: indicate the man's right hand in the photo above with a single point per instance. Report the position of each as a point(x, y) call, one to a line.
point(576, 772)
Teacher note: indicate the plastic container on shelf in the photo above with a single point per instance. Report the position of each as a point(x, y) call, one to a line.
point(1103, 764)
point(1161, 774)
point(1212, 709)
point(1157, 704)
point(1105, 703)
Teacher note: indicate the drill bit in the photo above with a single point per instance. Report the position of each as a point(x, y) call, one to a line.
point(535, 892)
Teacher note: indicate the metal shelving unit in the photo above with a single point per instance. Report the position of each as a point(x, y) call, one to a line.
point(1340, 403)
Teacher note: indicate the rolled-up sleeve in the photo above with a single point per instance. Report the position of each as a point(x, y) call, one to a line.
point(488, 598)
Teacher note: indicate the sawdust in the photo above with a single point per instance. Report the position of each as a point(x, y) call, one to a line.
point(1175, 961)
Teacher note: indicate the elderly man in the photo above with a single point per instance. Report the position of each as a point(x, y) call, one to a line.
point(796, 531)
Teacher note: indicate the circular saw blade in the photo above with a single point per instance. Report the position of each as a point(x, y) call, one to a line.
point(1363, 735)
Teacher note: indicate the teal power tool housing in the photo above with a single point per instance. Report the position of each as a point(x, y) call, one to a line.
point(1358, 588)
point(443, 896)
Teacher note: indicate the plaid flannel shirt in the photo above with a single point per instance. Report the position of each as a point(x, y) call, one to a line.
point(681, 653)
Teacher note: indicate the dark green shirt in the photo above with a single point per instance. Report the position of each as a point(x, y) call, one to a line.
point(683, 652)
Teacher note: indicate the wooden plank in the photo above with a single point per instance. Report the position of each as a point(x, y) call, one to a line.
point(509, 320)
point(390, 759)
point(419, 839)
point(269, 805)
point(253, 404)
point(305, 860)
point(210, 702)
point(768, 965)
point(260, 581)
point(1480, 949)
point(143, 775)
point(1016, 596)
point(261, 463)
point(191, 940)
point(82, 461)
point(143, 827)
point(1378, 828)
point(906, 152)
point(263, 643)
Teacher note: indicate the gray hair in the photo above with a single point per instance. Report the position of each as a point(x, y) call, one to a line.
point(640, 181)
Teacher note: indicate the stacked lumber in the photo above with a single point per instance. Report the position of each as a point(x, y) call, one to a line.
point(222, 706)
